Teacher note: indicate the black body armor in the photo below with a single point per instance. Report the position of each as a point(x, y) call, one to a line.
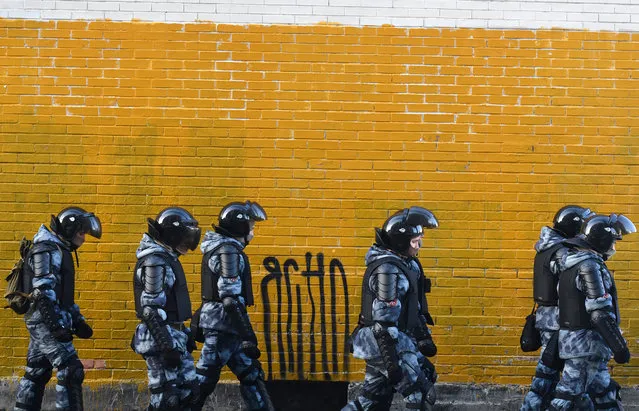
point(410, 316)
point(544, 282)
point(65, 288)
point(178, 302)
point(572, 302)
point(209, 278)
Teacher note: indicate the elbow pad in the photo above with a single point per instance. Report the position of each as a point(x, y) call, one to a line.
point(603, 322)
point(157, 328)
point(239, 318)
point(388, 351)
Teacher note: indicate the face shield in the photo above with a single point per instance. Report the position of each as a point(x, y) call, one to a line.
point(622, 225)
point(255, 211)
point(418, 216)
point(91, 225)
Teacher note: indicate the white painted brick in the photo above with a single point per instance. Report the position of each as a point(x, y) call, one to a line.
point(442, 4)
point(118, 15)
point(372, 21)
point(200, 8)
point(549, 16)
point(487, 14)
point(58, 14)
point(135, 7)
point(519, 15)
point(503, 24)
point(181, 17)
point(599, 8)
point(280, 2)
point(167, 7)
point(277, 19)
point(582, 17)
point(345, 20)
point(472, 5)
point(568, 8)
point(407, 22)
point(530, 6)
point(314, 3)
point(232, 9)
point(27, 14)
point(627, 27)
point(503, 5)
point(5, 14)
point(87, 15)
point(455, 14)
point(424, 13)
point(104, 5)
point(149, 16)
point(473, 23)
point(615, 18)
point(37, 4)
point(380, 3)
point(212, 17)
point(437, 22)
point(12, 4)
point(295, 10)
point(340, 11)
point(309, 19)
point(71, 5)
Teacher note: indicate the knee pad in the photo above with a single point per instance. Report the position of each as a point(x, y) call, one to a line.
point(170, 397)
point(251, 375)
point(39, 372)
point(211, 374)
point(71, 373)
point(615, 404)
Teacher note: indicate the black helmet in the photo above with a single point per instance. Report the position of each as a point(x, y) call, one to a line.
point(175, 227)
point(402, 226)
point(601, 232)
point(235, 218)
point(73, 220)
point(569, 219)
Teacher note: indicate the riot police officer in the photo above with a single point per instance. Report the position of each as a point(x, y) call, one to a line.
point(162, 303)
point(53, 317)
point(547, 266)
point(589, 318)
point(226, 329)
point(392, 334)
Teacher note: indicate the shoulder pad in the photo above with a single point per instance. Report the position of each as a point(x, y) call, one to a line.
point(589, 265)
point(228, 248)
point(388, 268)
point(43, 247)
point(152, 260)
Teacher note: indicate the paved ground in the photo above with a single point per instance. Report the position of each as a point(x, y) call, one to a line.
point(294, 396)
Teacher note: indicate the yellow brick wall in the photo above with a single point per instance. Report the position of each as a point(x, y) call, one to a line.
point(329, 128)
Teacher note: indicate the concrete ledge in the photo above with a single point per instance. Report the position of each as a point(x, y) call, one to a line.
point(462, 397)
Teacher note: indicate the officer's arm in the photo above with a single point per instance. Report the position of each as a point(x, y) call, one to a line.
point(46, 264)
point(230, 289)
point(558, 260)
point(599, 305)
point(153, 299)
point(386, 311)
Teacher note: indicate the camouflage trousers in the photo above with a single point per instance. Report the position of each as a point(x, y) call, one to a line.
point(543, 384)
point(585, 385)
point(417, 385)
point(222, 349)
point(44, 354)
point(177, 385)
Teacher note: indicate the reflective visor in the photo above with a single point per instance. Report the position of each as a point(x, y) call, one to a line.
point(256, 212)
point(623, 225)
point(91, 225)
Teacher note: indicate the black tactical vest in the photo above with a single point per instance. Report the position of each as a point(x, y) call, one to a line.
point(572, 302)
point(544, 282)
point(65, 288)
point(209, 278)
point(178, 302)
point(418, 285)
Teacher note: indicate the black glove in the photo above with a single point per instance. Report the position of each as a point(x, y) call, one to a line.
point(172, 359)
point(250, 349)
point(427, 347)
point(623, 356)
point(190, 343)
point(83, 330)
point(62, 334)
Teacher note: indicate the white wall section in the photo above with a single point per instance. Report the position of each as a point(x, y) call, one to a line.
point(613, 15)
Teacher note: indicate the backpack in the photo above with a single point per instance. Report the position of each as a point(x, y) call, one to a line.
point(18, 293)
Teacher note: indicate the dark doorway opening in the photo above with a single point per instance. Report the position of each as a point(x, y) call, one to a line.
point(308, 395)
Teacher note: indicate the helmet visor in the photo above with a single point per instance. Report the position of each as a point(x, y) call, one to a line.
point(192, 237)
point(418, 216)
point(256, 212)
point(91, 225)
point(623, 225)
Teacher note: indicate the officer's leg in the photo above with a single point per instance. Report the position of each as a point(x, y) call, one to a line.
point(542, 388)
point(417, 387)
point(215, 354)
point(165, 395)
point(189, 385)
point(251, 376)
point(571, 391)
point(69, 387)
point(31, 386)
point(376, 394)
point(603, 390)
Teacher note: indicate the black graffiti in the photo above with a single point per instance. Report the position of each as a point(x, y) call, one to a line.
point(294, 361)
